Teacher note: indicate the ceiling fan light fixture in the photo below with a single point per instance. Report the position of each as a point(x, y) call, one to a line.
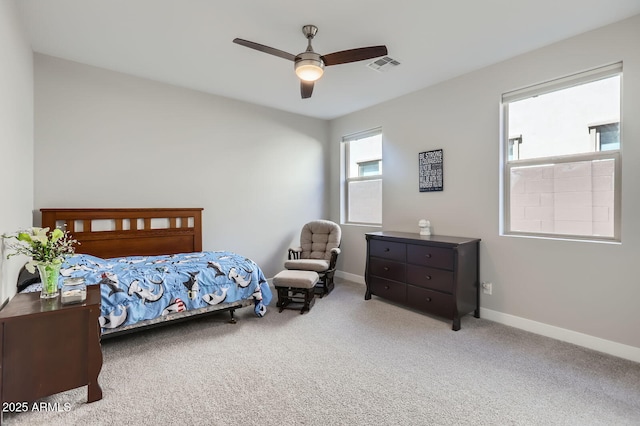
point(309, 72)
point(309, 66)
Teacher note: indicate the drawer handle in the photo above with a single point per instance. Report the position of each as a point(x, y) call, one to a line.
point(428, 255)
point(386, 268)
point(428, 277)
point(387, 249)
point(428, 299)
point(386, 287)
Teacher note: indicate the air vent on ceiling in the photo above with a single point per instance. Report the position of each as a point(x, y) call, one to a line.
point(383, 64)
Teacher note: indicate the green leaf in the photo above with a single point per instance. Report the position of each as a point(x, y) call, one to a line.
point(23, 236)
point(56, 235)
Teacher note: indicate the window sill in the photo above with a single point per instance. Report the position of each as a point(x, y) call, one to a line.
point(563, 238)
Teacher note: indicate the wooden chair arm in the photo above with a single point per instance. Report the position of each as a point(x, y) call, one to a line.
point(294, 253)
point(334, 258)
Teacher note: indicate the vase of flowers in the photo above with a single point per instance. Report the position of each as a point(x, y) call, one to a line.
point(49, 274)
point(47, 251)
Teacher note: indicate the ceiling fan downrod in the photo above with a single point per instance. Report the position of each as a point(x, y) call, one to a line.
point(308, 65)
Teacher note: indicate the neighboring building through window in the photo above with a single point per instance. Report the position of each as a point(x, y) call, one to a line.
point(562, 172)
point(370, 168)
point(363, 178)
point(605, 137)
point(514, 147)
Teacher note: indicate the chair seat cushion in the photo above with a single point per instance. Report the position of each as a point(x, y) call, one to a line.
point(295, 279)
point(318, 265)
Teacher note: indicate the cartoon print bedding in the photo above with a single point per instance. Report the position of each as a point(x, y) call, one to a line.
point(140, 288)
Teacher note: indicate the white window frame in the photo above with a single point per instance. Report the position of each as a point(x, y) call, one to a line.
point(615, 155)
point(345, 147)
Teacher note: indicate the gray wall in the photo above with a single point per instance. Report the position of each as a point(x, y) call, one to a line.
point(105, 139)
point(16, 138)
point(579, 291)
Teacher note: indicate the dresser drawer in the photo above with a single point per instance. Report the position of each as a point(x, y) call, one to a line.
point(431, 278)
point(387, 269)
point(388, 289)
point(430, 301)
point(436, 257)
point(388, 250)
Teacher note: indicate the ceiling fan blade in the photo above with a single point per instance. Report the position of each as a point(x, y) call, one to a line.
point(306, 89)
point(265, 49)
point(354, 55)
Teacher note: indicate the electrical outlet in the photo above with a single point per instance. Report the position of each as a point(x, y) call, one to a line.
point(487, 288)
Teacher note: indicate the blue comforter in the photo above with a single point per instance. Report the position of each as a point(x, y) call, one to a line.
point(142, 288)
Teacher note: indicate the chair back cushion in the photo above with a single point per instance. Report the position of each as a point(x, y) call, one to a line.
point(318, 238)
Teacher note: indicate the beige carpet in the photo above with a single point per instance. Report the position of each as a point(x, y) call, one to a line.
point(349, 362)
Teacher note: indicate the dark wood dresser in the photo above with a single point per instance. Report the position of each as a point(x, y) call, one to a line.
point(47, 347)
point(436, 274)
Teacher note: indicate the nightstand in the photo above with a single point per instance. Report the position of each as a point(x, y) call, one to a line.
point(47, 347)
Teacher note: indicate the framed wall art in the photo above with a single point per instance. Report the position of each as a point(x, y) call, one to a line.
point(430, 171)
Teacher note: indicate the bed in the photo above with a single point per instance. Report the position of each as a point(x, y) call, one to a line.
point(151, 268)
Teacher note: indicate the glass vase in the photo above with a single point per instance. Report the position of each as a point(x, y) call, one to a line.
point(49, 273)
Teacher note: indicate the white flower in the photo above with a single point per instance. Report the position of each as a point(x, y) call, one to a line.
point(41, 245)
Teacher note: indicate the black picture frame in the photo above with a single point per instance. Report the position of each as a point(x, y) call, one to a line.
point(430, 171)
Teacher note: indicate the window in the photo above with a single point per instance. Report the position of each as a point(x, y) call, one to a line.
point(561, 175)
point(363, 178)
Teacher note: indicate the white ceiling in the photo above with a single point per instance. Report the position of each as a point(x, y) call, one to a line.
point(188, 43)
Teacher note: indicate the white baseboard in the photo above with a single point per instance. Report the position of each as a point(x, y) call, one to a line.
point(350, 277)
point(607, 346)
point(620, 350)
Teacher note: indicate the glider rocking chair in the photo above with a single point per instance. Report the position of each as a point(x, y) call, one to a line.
point(318, 252)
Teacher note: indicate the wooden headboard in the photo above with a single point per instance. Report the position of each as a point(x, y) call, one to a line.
point(109, 233)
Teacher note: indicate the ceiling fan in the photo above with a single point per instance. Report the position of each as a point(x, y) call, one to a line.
point(309, 65)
